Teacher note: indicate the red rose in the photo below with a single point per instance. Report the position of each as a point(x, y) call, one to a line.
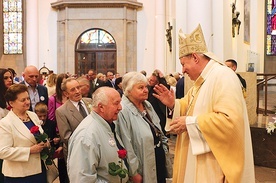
point(122, 153)
point(34, 129)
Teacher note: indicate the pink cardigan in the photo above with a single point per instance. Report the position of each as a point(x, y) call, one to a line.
point(53, 104)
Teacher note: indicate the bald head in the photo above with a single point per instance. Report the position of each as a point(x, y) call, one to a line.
point(107, 103)
point(31, 75)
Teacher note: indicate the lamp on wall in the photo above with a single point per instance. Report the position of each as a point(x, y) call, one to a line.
point(169, 35)
point(235, 20)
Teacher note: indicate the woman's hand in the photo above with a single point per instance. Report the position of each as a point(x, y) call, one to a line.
point(59, 153)
point(47, 144)
point(37, 148)
point(56, 140)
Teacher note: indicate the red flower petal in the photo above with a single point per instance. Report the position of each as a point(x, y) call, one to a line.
point(122, 153)
point(34, 129)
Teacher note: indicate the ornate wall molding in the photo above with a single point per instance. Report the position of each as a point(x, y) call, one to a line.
point(96, 4)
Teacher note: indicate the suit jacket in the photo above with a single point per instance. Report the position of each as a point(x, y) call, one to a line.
point(68, 118)
point(15, 143)
point(158, 106)
point(243, 82)
point(99, 83)
point(180, 88)
point(42, 92)
point(109, 83)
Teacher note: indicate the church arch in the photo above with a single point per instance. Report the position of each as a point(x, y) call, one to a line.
point(95, 49)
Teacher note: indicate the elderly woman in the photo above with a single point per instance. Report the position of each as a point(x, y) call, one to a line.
point(19, 149)
point(141, 132)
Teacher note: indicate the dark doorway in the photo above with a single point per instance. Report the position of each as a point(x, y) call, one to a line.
point(95, 49)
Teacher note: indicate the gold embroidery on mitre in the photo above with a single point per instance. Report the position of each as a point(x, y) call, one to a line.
point(192, 43)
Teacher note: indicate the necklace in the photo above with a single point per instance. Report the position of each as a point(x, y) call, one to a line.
point(24, 119)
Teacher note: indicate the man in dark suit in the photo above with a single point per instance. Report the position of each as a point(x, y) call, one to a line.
point(179, 93)
point(69, 115)
point(91, 76)
point(232, 64)
point(37, 92)
point(160, 109)
point(98, 82)
point(109, 81)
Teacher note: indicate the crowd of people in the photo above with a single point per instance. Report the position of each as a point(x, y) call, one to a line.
point(91, 118)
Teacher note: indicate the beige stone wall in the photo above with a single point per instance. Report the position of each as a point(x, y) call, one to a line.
point(251, 95)
point(119, 21)
point(251, 98)
point(13, 61)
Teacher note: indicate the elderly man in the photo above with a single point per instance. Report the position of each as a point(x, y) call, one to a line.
point(37, 92)
point(94, 144)
point(213, 142)
point(85, 86)
point(72, 112)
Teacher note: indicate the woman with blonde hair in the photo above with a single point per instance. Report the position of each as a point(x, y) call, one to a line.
point(172, 82)
point(51, 84)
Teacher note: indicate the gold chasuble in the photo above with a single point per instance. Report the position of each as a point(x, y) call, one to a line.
point(217, 115)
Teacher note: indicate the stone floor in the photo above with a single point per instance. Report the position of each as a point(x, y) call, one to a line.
point(262, 174)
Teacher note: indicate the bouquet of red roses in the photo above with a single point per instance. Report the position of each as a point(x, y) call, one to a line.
point(47, 153)
point(115, 169)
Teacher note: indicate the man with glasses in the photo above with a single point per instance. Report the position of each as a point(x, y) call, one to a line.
point(72, 112)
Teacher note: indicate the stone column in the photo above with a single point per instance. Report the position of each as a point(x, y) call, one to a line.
point(160, 28)
point(200, 12)
point(32, 33)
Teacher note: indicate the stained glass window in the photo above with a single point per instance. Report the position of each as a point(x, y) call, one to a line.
point(96, 39)
point(12, 20)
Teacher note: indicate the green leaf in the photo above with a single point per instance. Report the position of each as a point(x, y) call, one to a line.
point(122, 174)
point(48, 162)
point(125, 170)
point(44, 156)
point(112, 166)
point(111, 172)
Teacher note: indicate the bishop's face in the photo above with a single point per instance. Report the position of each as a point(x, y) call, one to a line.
point(190, 66)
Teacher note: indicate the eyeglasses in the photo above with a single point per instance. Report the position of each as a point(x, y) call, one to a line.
point(7, 77)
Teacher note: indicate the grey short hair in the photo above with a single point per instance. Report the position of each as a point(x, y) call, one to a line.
point(99, 96)
point(130, 79)
point(83, 80)
point(63, 84)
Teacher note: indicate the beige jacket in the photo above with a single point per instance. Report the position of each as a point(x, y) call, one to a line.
point(15, 143)
point(68, 118)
